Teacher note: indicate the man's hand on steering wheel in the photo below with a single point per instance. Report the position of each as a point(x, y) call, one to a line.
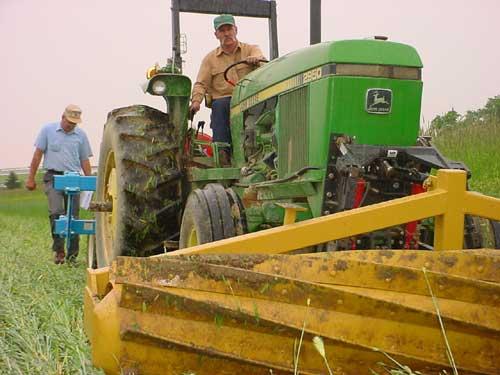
point(251, 60)
point(254, 60)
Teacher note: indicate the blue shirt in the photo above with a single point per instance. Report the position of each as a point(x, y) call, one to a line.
point(63, 151)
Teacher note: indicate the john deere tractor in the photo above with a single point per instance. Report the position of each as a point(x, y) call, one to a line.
point(324, 129)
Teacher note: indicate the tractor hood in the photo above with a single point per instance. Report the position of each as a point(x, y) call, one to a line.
point(364, 52)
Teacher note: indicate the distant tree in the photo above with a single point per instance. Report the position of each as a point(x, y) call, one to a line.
point(492, 109)
point(472, 117)
point(450, 118)
point(12, 181)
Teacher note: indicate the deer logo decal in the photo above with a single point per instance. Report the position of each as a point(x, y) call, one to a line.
point(378, 101)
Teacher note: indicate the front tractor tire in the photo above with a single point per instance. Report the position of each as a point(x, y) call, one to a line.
point(139, 179)
point(211, 214)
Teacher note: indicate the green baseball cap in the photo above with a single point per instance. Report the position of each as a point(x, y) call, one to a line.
point(223, 19)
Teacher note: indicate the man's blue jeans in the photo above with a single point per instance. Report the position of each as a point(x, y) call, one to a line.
point(219, 120)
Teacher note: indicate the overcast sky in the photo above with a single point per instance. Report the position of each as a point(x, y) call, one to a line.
point(95, 53)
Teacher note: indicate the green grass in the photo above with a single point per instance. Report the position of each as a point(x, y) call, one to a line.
point(23, 203)
point(41, 327)
point(478, 146)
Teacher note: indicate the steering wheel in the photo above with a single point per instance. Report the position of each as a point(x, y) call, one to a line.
point(233, 65)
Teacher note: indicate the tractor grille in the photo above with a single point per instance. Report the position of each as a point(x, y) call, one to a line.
point(293, 132)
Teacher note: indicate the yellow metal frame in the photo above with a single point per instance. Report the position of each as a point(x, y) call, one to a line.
point(447, 199)
point(291, 212)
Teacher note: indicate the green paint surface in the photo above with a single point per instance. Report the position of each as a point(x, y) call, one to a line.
point(375, 52)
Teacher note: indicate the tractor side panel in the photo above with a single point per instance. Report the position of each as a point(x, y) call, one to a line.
point(237, 136)
point(321, 104)
point(399, 127)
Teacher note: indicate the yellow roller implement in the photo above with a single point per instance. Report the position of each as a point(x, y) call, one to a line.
point(244, 306)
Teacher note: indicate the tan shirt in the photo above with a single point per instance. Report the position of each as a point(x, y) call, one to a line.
point(210, 78)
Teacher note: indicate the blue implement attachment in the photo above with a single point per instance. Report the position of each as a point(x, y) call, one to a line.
point(72, 184)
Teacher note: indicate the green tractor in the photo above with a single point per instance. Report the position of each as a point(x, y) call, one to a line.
point(327, 128)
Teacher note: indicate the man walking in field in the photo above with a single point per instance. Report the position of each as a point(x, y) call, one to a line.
point(64, 148)
point(210, 78)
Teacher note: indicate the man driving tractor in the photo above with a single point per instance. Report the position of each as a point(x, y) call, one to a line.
point(211, 83)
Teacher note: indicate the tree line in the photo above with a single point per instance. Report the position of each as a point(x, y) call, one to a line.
point(490, 113)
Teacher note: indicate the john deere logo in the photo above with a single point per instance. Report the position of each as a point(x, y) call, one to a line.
point(378, 101)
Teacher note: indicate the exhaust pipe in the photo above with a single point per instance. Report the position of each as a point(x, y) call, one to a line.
point(315, 21)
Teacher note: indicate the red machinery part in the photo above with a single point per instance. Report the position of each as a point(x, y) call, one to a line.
point(207, 149)
point(358, 197)
point(411, 241)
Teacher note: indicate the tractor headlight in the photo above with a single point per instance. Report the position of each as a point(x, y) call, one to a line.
point(159, 87)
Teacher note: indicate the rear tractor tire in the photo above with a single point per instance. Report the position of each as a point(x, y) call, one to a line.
point(211, 214)
point(495, 231)
point(139, 178)
point(490, 233)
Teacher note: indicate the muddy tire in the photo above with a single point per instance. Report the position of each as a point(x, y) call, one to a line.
point(486, 233)
point(211, 214)
point(138, 173)
point(495, 233)
point(473, 236)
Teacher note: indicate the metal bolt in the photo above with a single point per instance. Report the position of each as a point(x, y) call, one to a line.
point(329, 194)
point(326, 212)
point(331, 176)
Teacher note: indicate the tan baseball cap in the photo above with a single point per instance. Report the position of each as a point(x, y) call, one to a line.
point(73, 113)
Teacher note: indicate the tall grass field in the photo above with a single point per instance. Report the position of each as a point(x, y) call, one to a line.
point(41, 327)
point(478, 146)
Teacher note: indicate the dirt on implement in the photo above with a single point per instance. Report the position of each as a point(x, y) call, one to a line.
point(224, 313)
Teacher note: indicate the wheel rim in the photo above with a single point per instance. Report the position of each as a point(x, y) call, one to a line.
point(193, 238)
point(110, 196)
